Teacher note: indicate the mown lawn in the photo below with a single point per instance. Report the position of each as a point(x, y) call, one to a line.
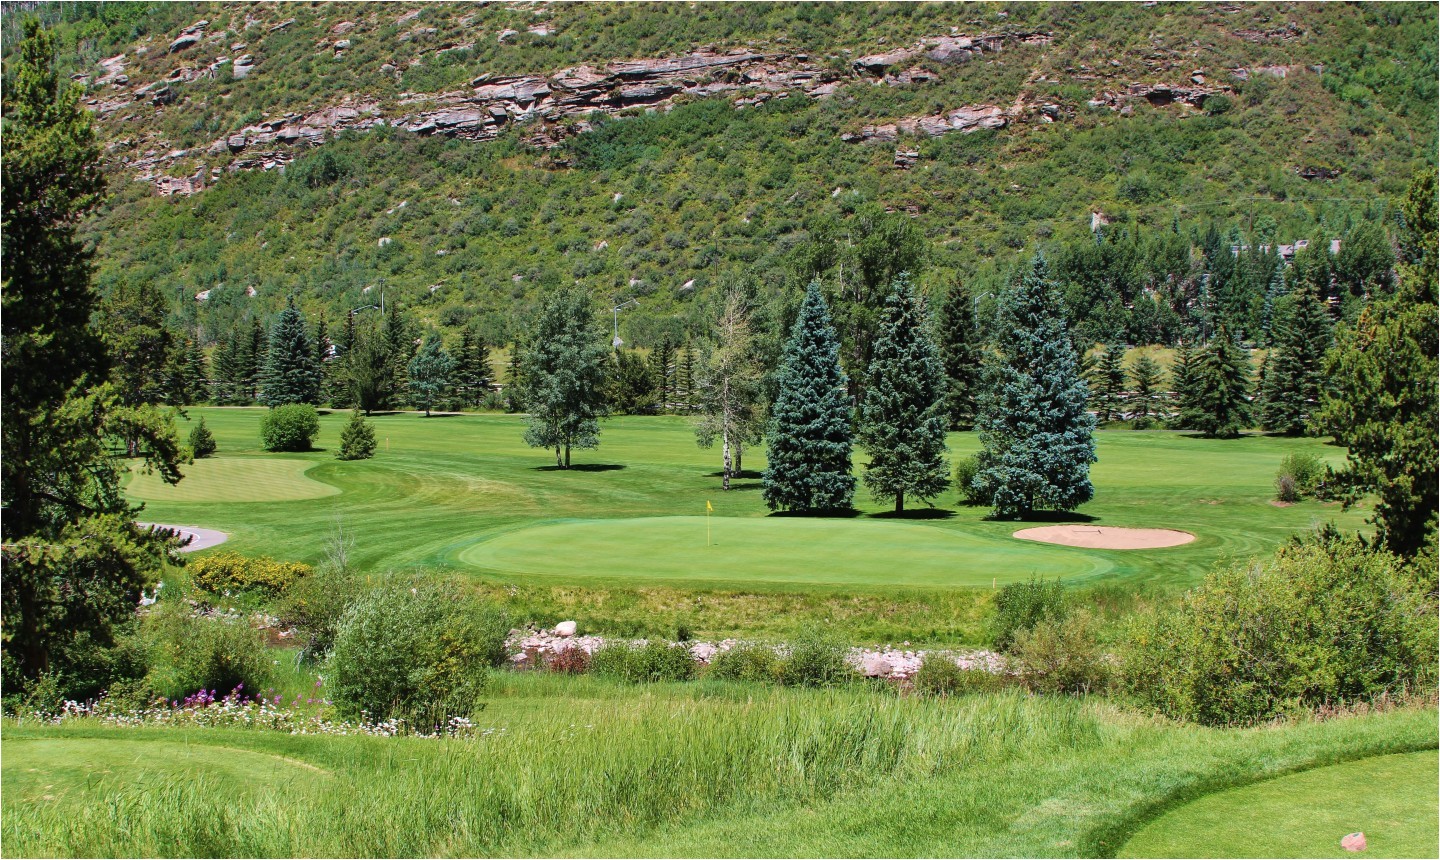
point(440, 488)
point(585, 767)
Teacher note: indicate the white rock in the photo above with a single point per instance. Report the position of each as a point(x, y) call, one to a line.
point(565, 628)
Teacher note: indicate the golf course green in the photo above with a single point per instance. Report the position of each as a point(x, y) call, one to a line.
point(463, 492)
point(776, 550)
point(1391, 799)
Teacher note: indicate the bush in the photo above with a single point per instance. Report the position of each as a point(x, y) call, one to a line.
point(745, 663)
point(290, 427)
point(572, 661)
point(414, 654)
point(654, 661)
point(1299, 476)
point(815, 661)
point(202, 441)
point(1327, 621)
point(357, 439)
point(192, 654)
point(315, 604)
point(1021, 605)
point(941, 676)
point(966, 468)
point(230, 571)
point(1060, 656)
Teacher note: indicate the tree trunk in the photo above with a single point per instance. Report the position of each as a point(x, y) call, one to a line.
point(559, 464)
point(567, 456)
point(900, 502)
point(725, 472)
point(739, 453)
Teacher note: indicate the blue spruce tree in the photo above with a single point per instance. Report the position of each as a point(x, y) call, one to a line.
point(1036, 432)
point(291, 374)
point(808, 440)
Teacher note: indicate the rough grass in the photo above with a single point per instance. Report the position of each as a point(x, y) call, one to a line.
point(1392, 799)
point(585, 767)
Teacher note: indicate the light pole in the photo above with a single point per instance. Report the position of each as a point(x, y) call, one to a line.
point(615, 311)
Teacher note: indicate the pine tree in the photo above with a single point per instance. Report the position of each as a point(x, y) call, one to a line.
point(141, 347)
point(226, 364)
point(808, 439)
point(631, 387)
point(515, 378)
point(1182, 384)
point(1220, 402)
point(1036, 434)
point(400, 347)
point(1145, 377)
point(197, 374)
point(291, 375)
point(1294, 374)
point(662, 367)
point(903, 417)
point(253, 360)
point(367, 371)
point(202, 441)
point(565, 377)
point(430, 373)
point(685, 378)
point(960, 350)
point(473, 367)
point(729, 389)
point(1107, 389)
point(357, 438)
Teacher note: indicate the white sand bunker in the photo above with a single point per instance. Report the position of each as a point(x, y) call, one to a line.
point(199, 538)
point(1106, 537)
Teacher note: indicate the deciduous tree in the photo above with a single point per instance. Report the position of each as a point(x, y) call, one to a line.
point(564, 373)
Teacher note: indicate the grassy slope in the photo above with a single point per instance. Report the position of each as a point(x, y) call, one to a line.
point(583, 767)
point(440, 486)
point(1392, 799)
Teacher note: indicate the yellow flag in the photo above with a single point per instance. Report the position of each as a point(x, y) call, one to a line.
point(708, 508)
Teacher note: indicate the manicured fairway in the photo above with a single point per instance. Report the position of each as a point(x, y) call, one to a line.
point(1393, 799)
point(235, 479)
point(438, 489)
point(785, 550)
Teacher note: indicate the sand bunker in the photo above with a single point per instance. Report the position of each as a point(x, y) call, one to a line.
point(1106, 537)
point(199, 538)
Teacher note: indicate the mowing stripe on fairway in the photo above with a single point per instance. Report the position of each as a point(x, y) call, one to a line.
point(235, 479)
point(771, 550)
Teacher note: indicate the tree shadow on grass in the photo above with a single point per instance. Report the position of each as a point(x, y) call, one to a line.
point(736, 486)
point(1046, 517)
point(748, 473)
point(826, 514)
point(582, 467)
point(914, 514)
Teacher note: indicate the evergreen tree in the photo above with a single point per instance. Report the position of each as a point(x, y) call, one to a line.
point(197, 374)
point(1182, 384)
point(253, 361)
point(367, 371)
point(324, 355)
point(565, 377)
point(903, 417)
point(1108, 384)
point(662, 368)
point(1294, 372)
point(357, 438)
point(226, 364)
point(202, 441)
point(141, 347)
point(632, 388)
point(808, 438)
point(960, 351)
point(473, 367)
point(1034, 428)
point(1220, 402)
point(400, 347)
point(729, 388)
point(1145, 378)
point(291, 375)
point(1384, 402)
point(74, 560)
point(430, 373)
point(515, 379)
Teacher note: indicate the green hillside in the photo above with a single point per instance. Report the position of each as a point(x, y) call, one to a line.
point(664, 200)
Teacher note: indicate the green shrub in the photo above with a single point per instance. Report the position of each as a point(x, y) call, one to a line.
point(191, 654)
point(1323, 622)
point(202, 441)
point(966, 468)
point(654, 661)
point(1021, 605)
point(230, 571)
point(815, 660)
point(315, 604)
point(1060, 656)
point(1299, 476)
point(291, 427)
point(414, 654)
point(941, 676)
point(357, 439)
point(745, 663)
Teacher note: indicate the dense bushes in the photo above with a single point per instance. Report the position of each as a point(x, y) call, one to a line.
point(815, 660)
point(414, 654)
point(1021, 605)
point(1324, 622)
point(1060, 655)
point(1299, 476)
point(189, 654)
point(939, 676)
point(966, 468)
point(745, 663)
point(231, 572)
point(290, 427)
point(653, 661)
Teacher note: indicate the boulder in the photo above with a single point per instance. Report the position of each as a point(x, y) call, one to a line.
point(565, 628)
point(236, 142)
point(875, 666)
point(342, 45)
point(506, 35)
point(183, 41)
point(1353, 842)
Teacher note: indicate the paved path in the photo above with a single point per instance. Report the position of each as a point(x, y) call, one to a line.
point(199, 538)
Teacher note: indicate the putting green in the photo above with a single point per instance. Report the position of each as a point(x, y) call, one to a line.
point(772, 550)
point(235, 479)
point(1392, 799)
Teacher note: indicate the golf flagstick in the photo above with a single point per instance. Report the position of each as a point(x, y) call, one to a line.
point(708, 510)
